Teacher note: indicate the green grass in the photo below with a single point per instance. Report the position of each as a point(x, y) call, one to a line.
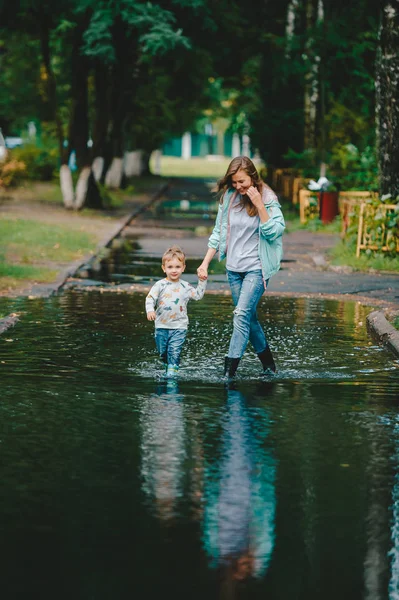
point(314, 225)
point(26, 272)
point(172, 166)
point(51, 193)
point(12, 275)
point(26, 241)
point(343, 254)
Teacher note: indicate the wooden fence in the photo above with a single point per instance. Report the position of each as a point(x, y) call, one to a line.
point(381, 237)
point(287, 183)
point(348, 203)
point(348, 200)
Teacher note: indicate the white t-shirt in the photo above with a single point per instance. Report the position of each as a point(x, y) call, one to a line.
point(169, 301)
point(243, 239)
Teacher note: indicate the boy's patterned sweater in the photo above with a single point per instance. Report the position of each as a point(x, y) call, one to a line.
point(169, 301)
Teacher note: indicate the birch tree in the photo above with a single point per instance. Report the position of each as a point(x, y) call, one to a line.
point(387, 99)
point(314, 16)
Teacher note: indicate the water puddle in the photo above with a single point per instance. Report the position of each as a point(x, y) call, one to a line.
point(120, 484)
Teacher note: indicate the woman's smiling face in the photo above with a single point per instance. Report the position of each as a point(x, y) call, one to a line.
point(241, 181)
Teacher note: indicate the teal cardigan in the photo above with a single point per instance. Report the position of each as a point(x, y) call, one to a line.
point(270, 233)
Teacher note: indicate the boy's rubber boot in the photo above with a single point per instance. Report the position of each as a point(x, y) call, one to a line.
point(172, 371)
point(230, 366)
point(267, 360)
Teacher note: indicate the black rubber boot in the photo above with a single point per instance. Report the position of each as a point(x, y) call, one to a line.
point(230, 366)
point(266, 358)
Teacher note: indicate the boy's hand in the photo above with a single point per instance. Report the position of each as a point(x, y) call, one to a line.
point(202, 273)
point(151, 316)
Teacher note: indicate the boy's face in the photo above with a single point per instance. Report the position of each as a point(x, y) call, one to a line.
point(173, 268)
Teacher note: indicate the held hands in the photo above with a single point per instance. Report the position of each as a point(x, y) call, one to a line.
point(255, 197)
point(151, 315)
point(202, 272)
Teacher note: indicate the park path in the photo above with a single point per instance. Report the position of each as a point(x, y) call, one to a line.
point(305, 268)
point(185, 215)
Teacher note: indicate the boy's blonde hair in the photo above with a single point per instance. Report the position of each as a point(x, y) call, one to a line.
point(174, 252)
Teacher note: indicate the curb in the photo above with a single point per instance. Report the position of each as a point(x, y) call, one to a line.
point(45, 291)
point(8, 322)
point(383, 331)
point(72, 269)
point(135, 214)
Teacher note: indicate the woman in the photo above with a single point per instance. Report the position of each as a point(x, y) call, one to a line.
point(248, 233)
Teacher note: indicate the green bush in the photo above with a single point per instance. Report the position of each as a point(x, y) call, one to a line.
point(12, 172)
point(347, 166)
point(305, 162)
point(41, 163)
point(354, 169)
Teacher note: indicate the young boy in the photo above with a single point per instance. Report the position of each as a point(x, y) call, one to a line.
point(166, 304)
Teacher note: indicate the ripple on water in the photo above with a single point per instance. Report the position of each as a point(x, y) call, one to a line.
point(190, 479)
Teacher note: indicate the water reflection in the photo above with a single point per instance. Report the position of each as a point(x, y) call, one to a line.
point(163, 449)
point(394, 551)
point(117, 487)
point(240, 501)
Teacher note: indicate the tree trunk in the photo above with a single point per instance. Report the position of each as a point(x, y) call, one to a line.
point(145, 163)
point(66, 184)
point(87, 193)
point(51, 83)
point(387, 99)
point(79, 121)
point(133, 163)
point(123, 86)
point(113, 178)
point(114, 175)
point(101, 121)
point(98, 167)
point(290, 24)
point(82, 188)
point(313, 14)
point(280, 111)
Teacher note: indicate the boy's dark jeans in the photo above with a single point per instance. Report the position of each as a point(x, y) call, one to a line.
point(169, 344)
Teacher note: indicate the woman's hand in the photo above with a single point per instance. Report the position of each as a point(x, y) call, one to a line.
point(202, 272)
point(255, 197)
point(151, 315)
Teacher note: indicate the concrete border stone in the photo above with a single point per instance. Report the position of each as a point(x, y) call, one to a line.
point(8, 322)
point(47, 290)
point(383, 331)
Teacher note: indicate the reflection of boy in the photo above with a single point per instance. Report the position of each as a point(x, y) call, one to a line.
point(166, 304)
point(163, 449)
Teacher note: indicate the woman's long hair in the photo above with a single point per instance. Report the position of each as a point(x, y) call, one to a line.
point(237, 164)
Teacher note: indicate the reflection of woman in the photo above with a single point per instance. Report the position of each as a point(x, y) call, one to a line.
point(248, 233)
point(240, 498)
point(163, 449)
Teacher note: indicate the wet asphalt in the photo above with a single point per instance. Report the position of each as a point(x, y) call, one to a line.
point(305, 270)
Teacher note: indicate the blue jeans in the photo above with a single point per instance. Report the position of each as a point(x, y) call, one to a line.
point(169, 344)
point(246, 290)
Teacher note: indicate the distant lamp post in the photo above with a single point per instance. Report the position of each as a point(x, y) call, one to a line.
point(3, 148)
point(209, 134)
point(32, 131)
point(245, 144)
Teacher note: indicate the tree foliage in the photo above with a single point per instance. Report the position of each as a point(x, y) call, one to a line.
point(129, 74)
